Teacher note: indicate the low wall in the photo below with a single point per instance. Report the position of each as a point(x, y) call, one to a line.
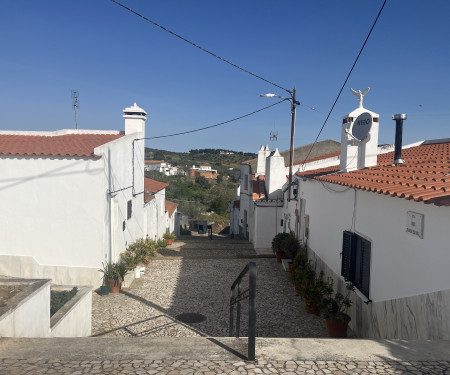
point(27, 314)
point(74, 319)
point(421, 317)
point(28, 268)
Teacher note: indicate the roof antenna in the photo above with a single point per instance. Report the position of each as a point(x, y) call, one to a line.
point(273, 136)
point(75, 105)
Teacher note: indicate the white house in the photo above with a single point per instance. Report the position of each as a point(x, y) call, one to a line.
point(155, 201)
point(71, 199)
point(380, 220)
point(161, 166)
point(368, 218)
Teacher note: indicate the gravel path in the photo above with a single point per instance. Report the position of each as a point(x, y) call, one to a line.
point(194, 277)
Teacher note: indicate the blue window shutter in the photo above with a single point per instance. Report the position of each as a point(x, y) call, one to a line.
point(365, 267)
point(346, 262)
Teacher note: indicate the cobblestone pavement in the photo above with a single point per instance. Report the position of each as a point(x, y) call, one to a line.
point(193, 367)
point(194, 277)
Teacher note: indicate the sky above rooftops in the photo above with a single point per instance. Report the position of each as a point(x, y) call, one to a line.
point(114, 58)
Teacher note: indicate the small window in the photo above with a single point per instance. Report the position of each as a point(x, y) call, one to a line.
point(355, 265)
point(129, 209)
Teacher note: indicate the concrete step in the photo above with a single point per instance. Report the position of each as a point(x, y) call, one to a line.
point(224, 348)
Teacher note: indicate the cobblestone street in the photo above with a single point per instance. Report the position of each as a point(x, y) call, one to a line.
point(191, 367)
point(135, 329)
point(193, 276)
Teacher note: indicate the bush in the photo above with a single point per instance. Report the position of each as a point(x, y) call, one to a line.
point(290, 246)
point(140, 252)
point(277, 242)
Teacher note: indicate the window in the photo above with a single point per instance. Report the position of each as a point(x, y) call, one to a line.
point(355, 265)
point(129, 209)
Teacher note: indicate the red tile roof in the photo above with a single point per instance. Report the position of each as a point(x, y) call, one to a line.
point(425, 176)
point(58, 145)
point(154, 161)
point(153, 186)
point(148, 197)
point(171, 207)
point(258, 187)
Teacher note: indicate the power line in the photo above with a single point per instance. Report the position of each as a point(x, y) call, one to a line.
point(199, 47)
point(345, 82)
point(219, 124)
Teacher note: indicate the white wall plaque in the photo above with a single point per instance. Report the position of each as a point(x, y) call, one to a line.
point(414, 223)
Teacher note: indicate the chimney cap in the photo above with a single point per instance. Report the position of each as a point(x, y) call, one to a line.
point(399, 116)
point(134, 110)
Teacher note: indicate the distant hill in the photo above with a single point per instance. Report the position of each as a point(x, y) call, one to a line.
point(300, 153)
point(219, 159)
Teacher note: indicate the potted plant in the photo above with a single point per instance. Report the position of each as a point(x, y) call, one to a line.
point(334, 309)
point(104, 289)
point(298, 265)
point(290, 246)
point(277, 242)
point(169, 237)
point(314, 293)
point(113, 274)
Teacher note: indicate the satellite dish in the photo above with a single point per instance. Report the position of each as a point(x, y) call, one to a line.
point(362, 125)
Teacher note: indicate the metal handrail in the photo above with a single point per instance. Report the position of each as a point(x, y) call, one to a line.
point(249, 293)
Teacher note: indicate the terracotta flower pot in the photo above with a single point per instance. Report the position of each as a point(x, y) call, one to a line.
point(279, 257)
point(312, 307)
point(336, 328)
point(114, 286)
point(169, 241)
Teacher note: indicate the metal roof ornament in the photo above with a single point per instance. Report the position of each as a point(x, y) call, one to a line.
point(360, 95)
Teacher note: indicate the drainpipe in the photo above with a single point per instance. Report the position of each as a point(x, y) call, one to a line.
point(398, 137)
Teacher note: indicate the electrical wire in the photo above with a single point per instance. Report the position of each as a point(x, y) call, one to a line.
point(345, 82)
point(199, 47)
point(215, 125)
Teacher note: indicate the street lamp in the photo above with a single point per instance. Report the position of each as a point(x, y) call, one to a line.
point(294, 103)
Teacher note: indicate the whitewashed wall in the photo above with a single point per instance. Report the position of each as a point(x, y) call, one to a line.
point(404, 268)
point(267, 217)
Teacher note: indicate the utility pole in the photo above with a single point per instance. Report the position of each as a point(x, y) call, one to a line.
point(291, 151)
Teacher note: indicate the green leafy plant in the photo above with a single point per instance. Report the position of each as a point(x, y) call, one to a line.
point(169, 236)
point(59, 298)
point(336, 306)
point(113, 271)
point(277, 242)
point(290, 246)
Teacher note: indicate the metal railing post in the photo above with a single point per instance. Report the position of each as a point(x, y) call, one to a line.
point(252, 312)
point(249, 293)
point(238, 310)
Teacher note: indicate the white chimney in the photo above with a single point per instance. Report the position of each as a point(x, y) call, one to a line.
point(261, 165)
point(359, 137)
point(134, 119)
point(275, 175)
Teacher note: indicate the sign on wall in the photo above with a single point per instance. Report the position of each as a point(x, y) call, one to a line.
point(414, 223)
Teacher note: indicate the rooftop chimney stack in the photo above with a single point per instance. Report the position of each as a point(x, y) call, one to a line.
point(135, 118)
point(398, 137)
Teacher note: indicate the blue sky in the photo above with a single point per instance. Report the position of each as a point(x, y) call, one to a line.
point(113, 58)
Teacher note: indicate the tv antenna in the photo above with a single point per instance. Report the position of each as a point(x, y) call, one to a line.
point(75, 105)
point(273, 136)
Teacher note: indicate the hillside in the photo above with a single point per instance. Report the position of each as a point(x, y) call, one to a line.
point(219, 159)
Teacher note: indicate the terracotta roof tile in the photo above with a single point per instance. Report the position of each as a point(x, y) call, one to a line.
point(171, 207)
point(59, 145)
point(153, 186)
point(154, 161)
point(425, 176)
point(148, 197)
point(259, 187)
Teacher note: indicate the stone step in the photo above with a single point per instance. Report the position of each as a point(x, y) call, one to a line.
point(224, 348)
